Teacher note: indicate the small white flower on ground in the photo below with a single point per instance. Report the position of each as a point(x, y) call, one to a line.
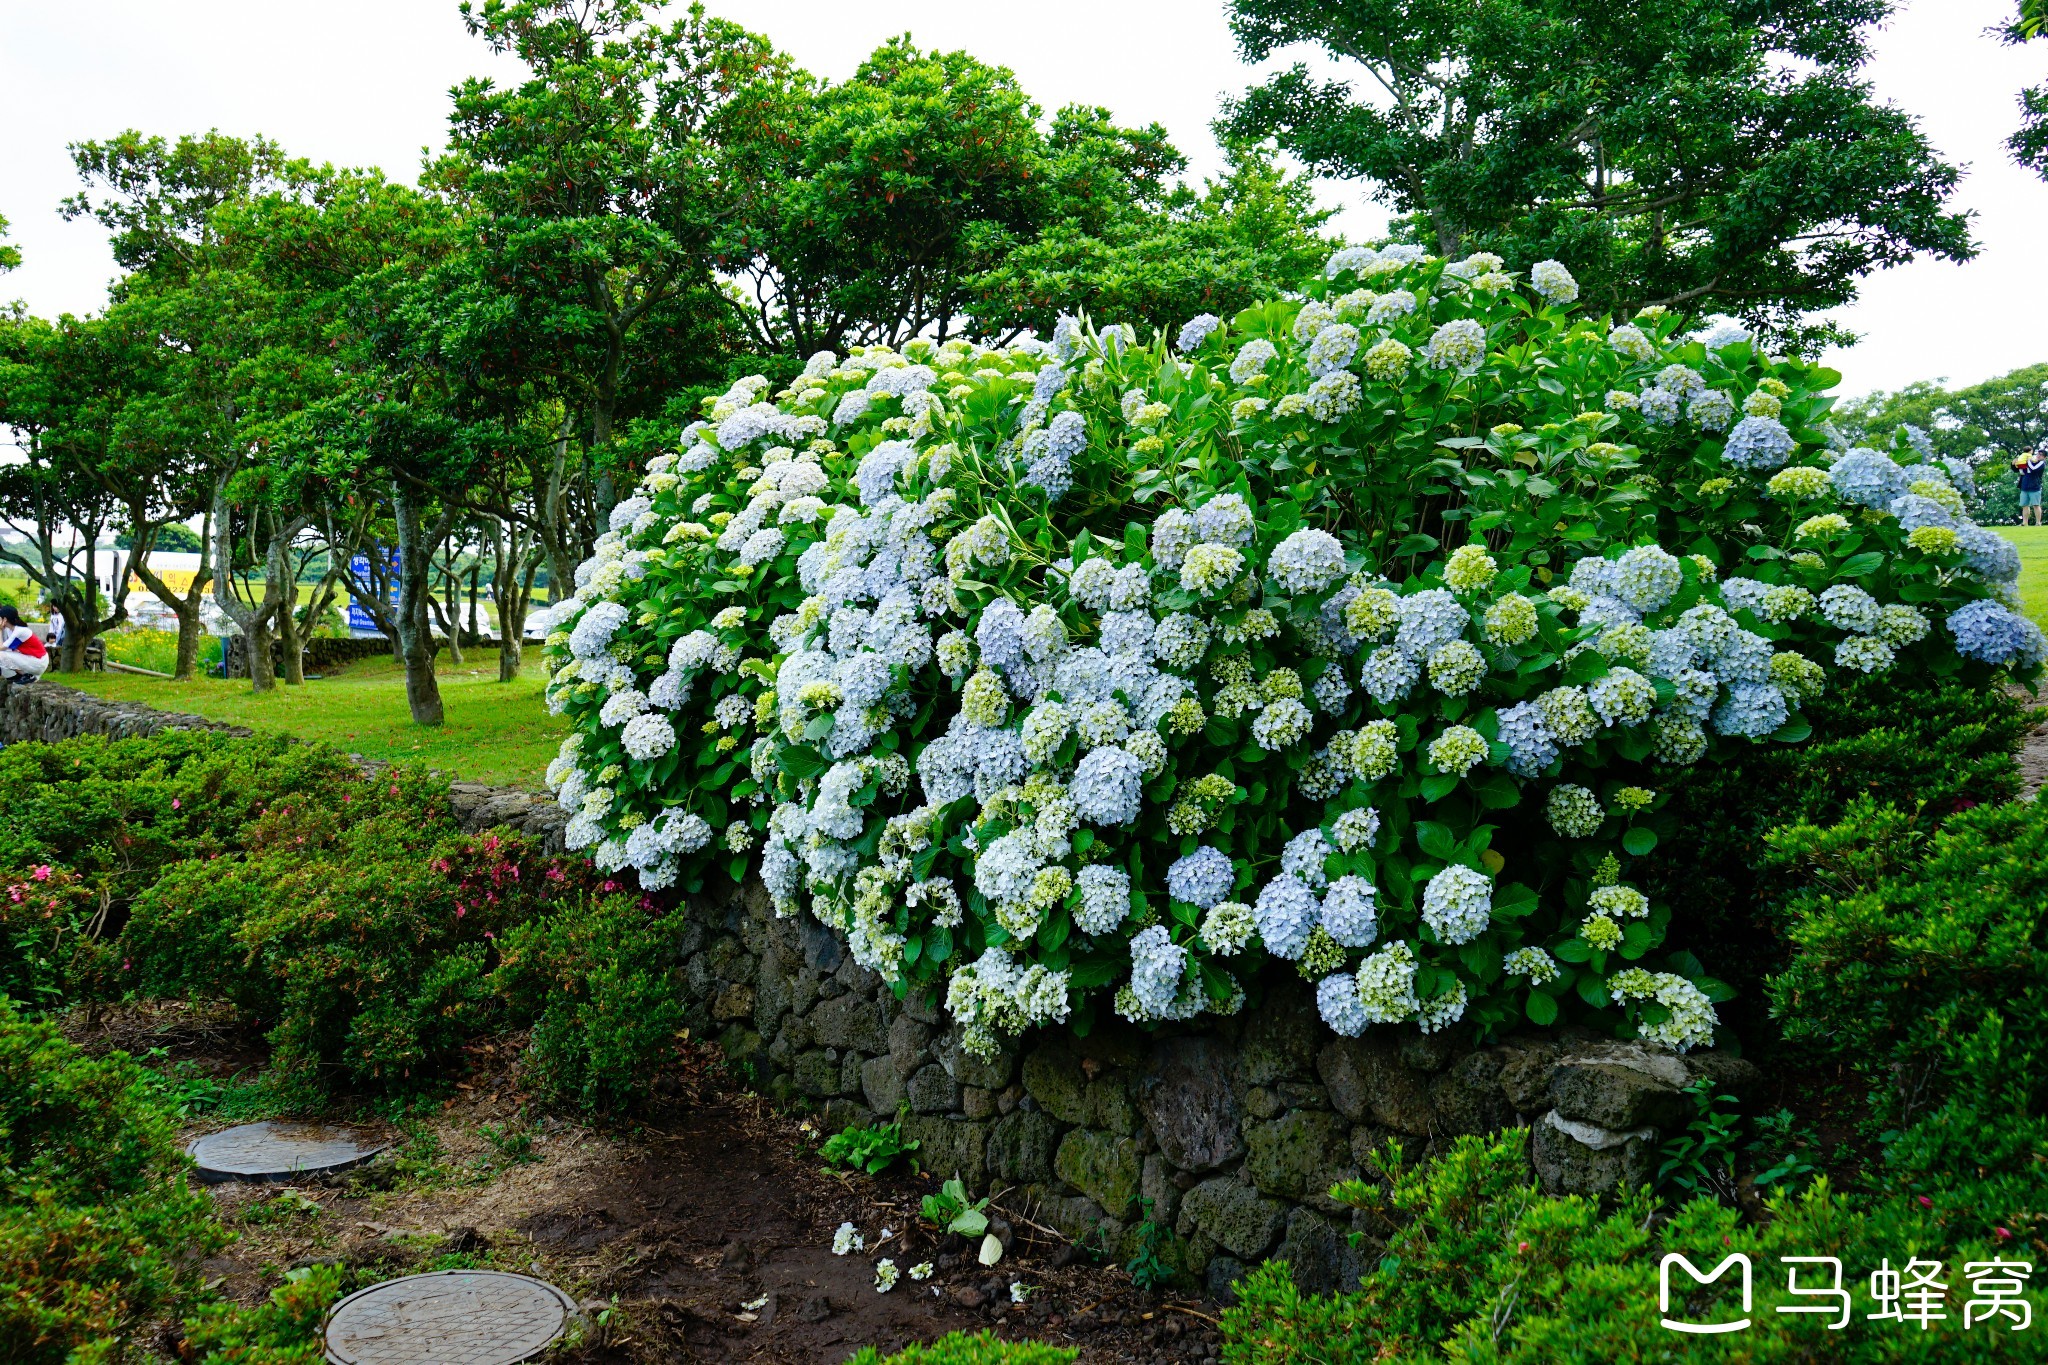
point(847, 1239)
point(886, 1275)
point(921, 1271)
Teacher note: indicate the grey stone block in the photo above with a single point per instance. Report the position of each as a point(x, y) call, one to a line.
point(1021, 1145)
point(879, 1082)
point(932, 1091)
point(1300, 1155)
point(1102, 1166)
point(1366, 1080)
point(1242, 1220)
point(1582, 1158)
point(1186, 1097)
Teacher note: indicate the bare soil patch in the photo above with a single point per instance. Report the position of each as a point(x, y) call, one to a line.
point(699, 1233)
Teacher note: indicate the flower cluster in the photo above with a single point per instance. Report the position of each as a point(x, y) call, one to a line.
point(1092, 666)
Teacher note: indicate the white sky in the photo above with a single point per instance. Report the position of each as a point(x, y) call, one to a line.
point(364, 82)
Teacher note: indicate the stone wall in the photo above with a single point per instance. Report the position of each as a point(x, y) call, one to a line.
point(1234, 1132)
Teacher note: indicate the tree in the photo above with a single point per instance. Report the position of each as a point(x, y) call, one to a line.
point(10, 256)
point(1986, 424)
point(2029, 143)
point(163, 202)
point(594, 191)
point(61, 387)
point(1248, 236)
point(1709, 155)
point(871, 206)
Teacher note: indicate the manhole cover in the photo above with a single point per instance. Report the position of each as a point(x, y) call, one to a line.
point(452, 1317)
point(278, 1151)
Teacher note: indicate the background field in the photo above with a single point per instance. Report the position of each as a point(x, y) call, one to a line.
point(495, 732)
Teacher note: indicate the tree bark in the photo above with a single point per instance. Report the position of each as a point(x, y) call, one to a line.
point(415, 631)
point(185, 606)
point(453, 612)
point(257, 619)
point(291, 644)
point(513, 567)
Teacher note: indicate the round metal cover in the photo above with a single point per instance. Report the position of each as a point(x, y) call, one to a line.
point(451, 1317)
point(279, 1151)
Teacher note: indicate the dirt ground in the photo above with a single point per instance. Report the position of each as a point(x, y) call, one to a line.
point(699, 1233)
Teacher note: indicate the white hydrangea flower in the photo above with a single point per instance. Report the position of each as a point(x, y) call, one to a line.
point(1307, 561)
point(1458, 904)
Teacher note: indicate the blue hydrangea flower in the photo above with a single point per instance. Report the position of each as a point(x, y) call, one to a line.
point(1867, 478)
point(1197, 330)
point(1302, 857)
point(1646, 577)
point(1001, 636)
point(1107, 785)
point(1338, 1001)
point(1995, 634)
point(1989, 554)
point(1349, 912)
point(1286, 911)
point(1457, 903)
point(1531, 746)
point(1752, 710)
point(1759, 443)
point(1658, 406)
point(1914, 512)
point(1203, 878)
point(1105, 898)
point(1429, 619)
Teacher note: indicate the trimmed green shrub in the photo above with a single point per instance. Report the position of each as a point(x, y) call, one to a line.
point(958, 1348)
point(116, 811)
point(1920, 743)
point(1482, 1269)
point(50, 937)
point(99, 1232)
point(345, 914)
point(597, 978)
point(284, 1331)
point(1921, 959)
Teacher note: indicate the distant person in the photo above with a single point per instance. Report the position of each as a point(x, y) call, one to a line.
point(2031, 468)
point(22, 656)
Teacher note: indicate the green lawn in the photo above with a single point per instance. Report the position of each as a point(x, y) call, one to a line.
point(2033, 546)
point(494, 733)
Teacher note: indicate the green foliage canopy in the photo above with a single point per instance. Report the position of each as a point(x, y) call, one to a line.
point(1709, 156)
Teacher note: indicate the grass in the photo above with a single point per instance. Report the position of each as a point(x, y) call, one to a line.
point(2033, 547)
point(497, 733)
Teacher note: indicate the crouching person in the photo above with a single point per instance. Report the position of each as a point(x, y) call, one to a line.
point(22, 656)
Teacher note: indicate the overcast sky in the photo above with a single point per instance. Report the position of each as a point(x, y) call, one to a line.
point(364, 82)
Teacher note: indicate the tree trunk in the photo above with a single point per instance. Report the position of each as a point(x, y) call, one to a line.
point(453, 612)
point(415, 631)
point(262, 673)
point(257, 619)
point(513, 566)
point(189, 627)
point(290, 639)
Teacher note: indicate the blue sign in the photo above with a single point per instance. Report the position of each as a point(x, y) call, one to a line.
point(359, 569)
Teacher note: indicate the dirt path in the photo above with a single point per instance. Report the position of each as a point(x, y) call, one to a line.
point(703, 1235)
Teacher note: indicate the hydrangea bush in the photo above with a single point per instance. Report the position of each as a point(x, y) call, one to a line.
point(1363, 630)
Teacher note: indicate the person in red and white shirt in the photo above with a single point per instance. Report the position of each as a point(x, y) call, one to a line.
point(22, 656)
